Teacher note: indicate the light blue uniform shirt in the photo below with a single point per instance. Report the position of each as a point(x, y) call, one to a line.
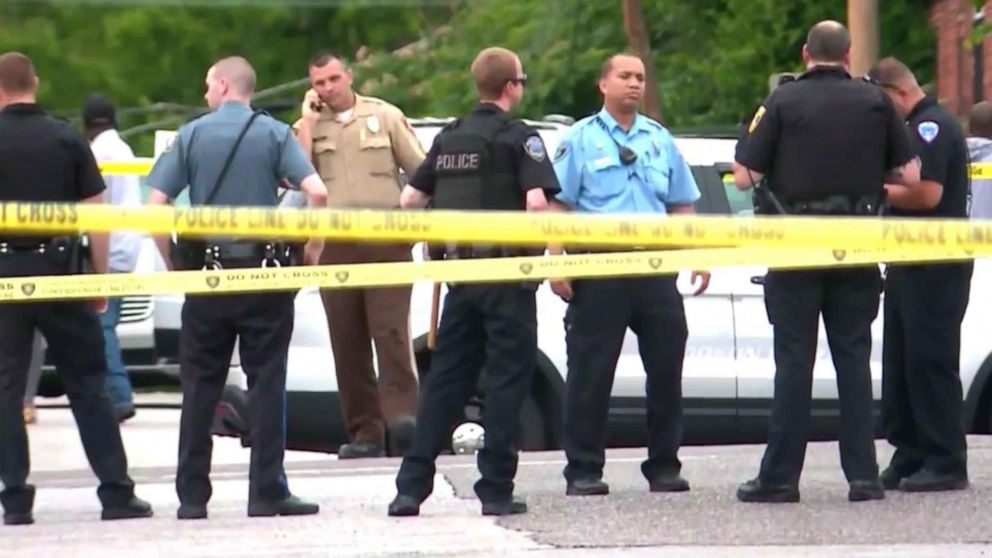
point(594, 179)
point(268, 153)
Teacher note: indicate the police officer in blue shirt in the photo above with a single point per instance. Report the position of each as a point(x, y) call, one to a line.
point(235, 157)
point(619, 161)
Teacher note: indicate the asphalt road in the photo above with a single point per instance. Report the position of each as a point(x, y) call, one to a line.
point(707, 521)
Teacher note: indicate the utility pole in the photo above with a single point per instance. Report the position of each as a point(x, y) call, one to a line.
point(862, 21)
point(639, 44)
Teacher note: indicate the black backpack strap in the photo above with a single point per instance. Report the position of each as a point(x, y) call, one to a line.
point(230, 159)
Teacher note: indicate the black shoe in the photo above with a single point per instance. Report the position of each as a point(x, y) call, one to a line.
point(18, 518)
point(135, 508)
point(669, 482)
point(756, 490)
point(290, 506)
point(927, 480)
point(360, 450)
point(404, 506)
point(587, 487)
point(191, 511)
point(864, 490)
point(512, 506)
point(891, 477)
point(18, 499)
point(401, 436)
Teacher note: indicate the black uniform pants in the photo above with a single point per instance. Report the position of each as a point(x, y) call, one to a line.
point(596, 322)
point(922, 408)
point(210, 326)
point(848, 300)
point(75, 343)
point(491, 326)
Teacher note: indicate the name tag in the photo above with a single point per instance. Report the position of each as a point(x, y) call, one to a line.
point(602, 162)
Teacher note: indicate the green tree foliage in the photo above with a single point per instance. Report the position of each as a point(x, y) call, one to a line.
point(713, 57)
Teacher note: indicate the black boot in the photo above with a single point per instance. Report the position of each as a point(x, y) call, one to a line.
point(135, 508)
point(404, 506)
point(756, 490)
point(291, 505)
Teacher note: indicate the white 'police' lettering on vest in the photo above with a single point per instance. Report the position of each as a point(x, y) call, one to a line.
point(457, 162)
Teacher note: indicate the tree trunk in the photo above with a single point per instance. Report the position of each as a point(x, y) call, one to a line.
point(639, 44)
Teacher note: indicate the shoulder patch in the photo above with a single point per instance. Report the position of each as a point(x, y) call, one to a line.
point(928, 130)
point(756, 119)
point(534, 147)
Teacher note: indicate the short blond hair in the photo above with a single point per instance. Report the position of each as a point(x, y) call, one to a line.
point(492, 69)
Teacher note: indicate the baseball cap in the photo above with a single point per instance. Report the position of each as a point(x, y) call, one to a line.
point(98, 110)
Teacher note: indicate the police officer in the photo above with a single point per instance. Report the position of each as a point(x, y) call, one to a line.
point(44, 160)
point(620, 161)
point(826, 144)
point(922, 402)
point(234, 157)
point(486, 161)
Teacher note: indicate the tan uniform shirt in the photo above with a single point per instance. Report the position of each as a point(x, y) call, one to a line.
point(359, 159)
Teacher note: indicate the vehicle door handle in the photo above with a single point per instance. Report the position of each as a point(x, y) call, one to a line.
point(758, 280)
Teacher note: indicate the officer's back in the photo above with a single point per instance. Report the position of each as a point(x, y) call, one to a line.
point(825, 134)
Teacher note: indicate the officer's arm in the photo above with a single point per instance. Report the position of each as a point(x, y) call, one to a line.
point(407, 150)
point(422, 182)
point(90, 190)
point(935, 153)
point(535, 175)
point(756, 155)
point(167, 179)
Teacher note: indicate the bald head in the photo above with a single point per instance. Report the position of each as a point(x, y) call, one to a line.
point(828, 41)
point(17, 76)
point(980, 120)
point(238, 73)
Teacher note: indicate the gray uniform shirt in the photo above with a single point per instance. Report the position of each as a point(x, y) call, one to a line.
point(267, 153)
point(980, 151)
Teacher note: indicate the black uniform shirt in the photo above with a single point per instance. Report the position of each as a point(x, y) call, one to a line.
point(43, 159)
point(939, 141)
point(519, 143)
point(825, 134)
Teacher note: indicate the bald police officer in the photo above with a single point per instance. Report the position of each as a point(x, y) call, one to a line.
point(234, 157)
point(826, 144)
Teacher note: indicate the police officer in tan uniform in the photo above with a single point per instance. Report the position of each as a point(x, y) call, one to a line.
point(359, 144)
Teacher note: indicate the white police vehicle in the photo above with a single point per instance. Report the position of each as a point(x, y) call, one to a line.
point(728, 376)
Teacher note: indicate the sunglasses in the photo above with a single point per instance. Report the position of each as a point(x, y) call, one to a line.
point(522, 80)
point(882, 84)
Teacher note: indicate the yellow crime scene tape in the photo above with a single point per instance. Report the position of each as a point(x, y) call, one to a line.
point(451, 271)
point(980, 170)
point(646, 231)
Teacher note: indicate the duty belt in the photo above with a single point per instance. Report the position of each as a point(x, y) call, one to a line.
point(837, 205)
point(189, 254)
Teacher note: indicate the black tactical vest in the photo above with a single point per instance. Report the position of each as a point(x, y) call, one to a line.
point(471, 173)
